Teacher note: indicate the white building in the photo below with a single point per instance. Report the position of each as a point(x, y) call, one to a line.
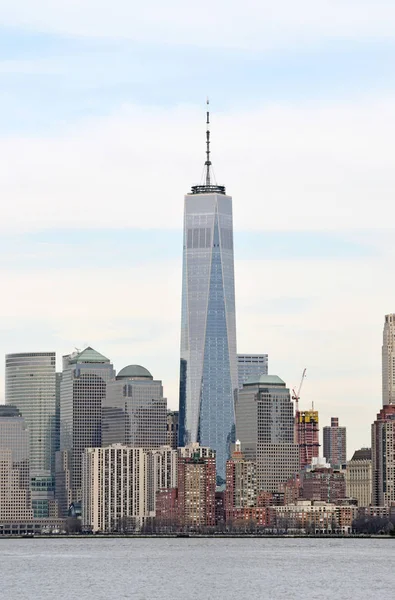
point(114, 488)
point(388, 360)
point(359, 477)
point(161, 473)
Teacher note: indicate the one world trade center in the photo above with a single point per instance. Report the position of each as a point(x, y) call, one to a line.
point(208, 368)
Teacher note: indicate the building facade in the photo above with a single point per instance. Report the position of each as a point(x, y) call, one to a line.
point(241, 483)
point(196, 487)
point(265, 428)
point(134, 410)
point(307, 436)
point(388, 360)
point(15, 495)
point(208, 365)
point(172, 429)
point(161, 473)
point(82, 391)
point(320, 482)
point(251, 365)
point(31, 387)
point(114, 489)
point(335, 443)
point(383, 457)
point(359, 477)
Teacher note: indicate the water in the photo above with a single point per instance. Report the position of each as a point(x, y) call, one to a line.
point(189, 569)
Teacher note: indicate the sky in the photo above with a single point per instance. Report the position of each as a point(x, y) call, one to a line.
point(102, 130)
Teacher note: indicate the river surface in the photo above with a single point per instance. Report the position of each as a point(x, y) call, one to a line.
point(189, 569)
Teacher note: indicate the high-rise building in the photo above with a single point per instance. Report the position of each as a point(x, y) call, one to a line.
point(161, 473)
point(307, 436)
point(196, 486)
point(114, 488)
point(388, 360)
point(15, 497)
point(265, 428)
point(82, 390)
point(172, 429)
point(251, 365)
point(208, 367)
point(31, 387)
point(241, 483)
point(383, 457)
point(359, 477)
point(335, 448)
point(134, 410)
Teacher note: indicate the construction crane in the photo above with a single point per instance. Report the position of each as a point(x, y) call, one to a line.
point(296, 396)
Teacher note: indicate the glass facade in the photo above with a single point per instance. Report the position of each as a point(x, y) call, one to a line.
point(208, 368)
point(31, 387)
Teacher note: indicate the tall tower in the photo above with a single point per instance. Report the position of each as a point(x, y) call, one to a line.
point(388, 360)
point(208, 368)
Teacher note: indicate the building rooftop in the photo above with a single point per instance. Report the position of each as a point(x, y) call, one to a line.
point(8, 410)
point(135, 372)
point(89, 355)
point(362, 454)
point(269, 380)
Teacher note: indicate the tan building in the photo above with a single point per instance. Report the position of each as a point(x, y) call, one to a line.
point(359, 477)
point(196, 486)
point(15, 501)
point(241, 483)
point(383, 457)
point(114, 488)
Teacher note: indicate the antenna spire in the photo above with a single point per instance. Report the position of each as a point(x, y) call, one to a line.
point(208, 161)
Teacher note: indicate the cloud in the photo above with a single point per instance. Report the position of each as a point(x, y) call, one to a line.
point(288, 167)
point(224, 23)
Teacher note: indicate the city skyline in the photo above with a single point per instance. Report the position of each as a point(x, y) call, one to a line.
point(303, 142)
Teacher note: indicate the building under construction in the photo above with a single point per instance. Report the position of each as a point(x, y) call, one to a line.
point(307, 436)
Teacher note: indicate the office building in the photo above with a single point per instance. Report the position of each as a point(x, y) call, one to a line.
point(359, 477)
point(31, 387)
point(307, 436)
point(251, 365)
point(134, 410)
point(172, 429)
point(15, 496)
point(114, 488)
point(335, 450)
point(208, 366)
point(82, 391)
point(388, 360)
point(383, 457)
point(241, 483)
point(196, 487)
point(265, 428)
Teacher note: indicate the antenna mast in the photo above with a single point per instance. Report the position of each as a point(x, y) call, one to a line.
point(208, 161)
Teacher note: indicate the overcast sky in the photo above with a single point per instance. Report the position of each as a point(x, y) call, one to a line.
point(102, 133)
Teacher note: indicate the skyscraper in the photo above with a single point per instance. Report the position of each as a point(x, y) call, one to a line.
point(82, 390)
point(335, 443)
point(359, 477)
point(307, 436)
point(383, 457)
point(134, 410)
point(31, 387)
point(251, 365)
point(196, 486)
point(208, 366)
point(265, 428)
point(388, 360)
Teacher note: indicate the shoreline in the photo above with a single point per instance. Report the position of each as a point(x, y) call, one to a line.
point(195, 536)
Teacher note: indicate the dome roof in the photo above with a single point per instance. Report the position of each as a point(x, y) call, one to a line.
point(269, 380)
point(135, 371)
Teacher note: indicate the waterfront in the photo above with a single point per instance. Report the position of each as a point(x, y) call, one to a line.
point(205, 569)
